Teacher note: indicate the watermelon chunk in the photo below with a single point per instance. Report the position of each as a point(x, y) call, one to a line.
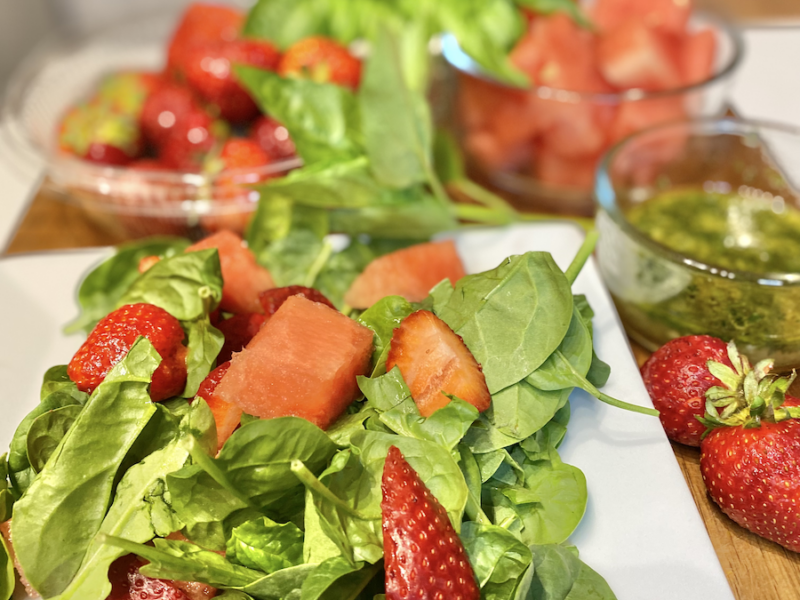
point(559, 171)
point(698, 52)
point(303, 362)
point(669, 16)
point(636, 115)
point(635, 56)
point(410, 272)
point(243, 278)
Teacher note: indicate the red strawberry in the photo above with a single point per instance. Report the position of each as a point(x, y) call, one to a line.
point(227, 416)
point(166, 105)
point(676, 377)
point(323, 60)
point(433, 361)
point(209, 72)
point(114, 335)
point(125, 92)
point(423, 555)
point(272, 299)
point(242, 153)
point(127, 583)
point(750, 460)
point(273, 138)
point(101, 135)
point(238, 331)
point(202, 23)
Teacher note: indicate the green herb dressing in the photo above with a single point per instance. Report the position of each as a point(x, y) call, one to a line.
point(728, 231)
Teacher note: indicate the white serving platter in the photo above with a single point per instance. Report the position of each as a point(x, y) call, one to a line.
point(641, 531)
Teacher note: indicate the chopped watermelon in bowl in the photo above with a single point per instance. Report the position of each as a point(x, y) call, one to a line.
point(636, 64)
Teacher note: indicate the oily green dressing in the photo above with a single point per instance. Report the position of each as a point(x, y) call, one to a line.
point(728, 231)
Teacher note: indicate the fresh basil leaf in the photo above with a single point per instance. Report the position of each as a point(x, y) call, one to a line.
point(498, 558)
point(508, 338)
point(395, 121)
point(8, 578)
point(276, 219)
point(105, 284)
point(322, 118)
point(407, 214)
point(317, 546)
point(187, 286)
point(46, 433)
point(265, 545)
point(284, 23)
point(346, 425)
point(290, 259)
point(205, 342)
point(558, 574)
point(184, 561)
point(341, 269)
point(141, 507)
point(78, 479)
point(447, 158)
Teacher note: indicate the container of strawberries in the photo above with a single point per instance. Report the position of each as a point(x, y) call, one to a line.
point(588, 75)
point(146, 127)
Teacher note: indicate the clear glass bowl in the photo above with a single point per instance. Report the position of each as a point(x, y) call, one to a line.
point(128, 202)
point(502, 128)
point(661, 294)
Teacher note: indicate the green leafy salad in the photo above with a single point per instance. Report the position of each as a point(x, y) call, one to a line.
point(285, 509)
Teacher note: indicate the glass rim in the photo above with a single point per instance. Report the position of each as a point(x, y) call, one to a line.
point(606, 197)
point(462, 62)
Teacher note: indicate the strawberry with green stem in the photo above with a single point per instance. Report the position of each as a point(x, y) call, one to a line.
point(750, 453)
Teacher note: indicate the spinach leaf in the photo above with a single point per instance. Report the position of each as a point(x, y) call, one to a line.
point(548, 7)
point(265, 545)
point(383, 318)
point(8, 577)
point(391, 111)
point(184, 561)
point(322, 118)
point(522, 409)
point(66, 503)
point(558, 574)
point(345, 426)
point(472, 477)
point(498, 558)
point(46, 433)
point(276, 219)
point(337, 579)
point(187, 286)
point(57, 380)
point(576, 348)
point(141, 507)
point(386, 391)
point(317, 546)
point(20, 472)
point(104, 286)
point(445, 427)
point(290, 259)
point(341, 269)
point(205, 342)
point(6, 495)
point(510, 338)
point(284, 23)
point(285, 584)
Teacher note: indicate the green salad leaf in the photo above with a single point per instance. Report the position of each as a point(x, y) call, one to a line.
point(265, 545)
point(7, 579)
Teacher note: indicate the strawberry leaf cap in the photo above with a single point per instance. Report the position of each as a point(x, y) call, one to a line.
point(748, 394)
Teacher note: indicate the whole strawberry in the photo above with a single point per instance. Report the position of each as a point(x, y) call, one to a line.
point(423, 556)
point(114, 335)
point(209, 72)
point(201, 22)
point(273, 138)
point(676, 377)
point(99, 134)
point(750, 459)
point(322, 60)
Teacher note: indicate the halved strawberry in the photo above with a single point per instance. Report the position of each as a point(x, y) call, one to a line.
point(433, 361)
point(127, 583)
point(271, 300)
point(114, 335)
point(423, 555)
point(323, 60)
point(227, 416)
point(238, 331)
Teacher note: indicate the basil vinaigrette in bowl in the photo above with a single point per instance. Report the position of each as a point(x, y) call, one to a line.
point(706, 240)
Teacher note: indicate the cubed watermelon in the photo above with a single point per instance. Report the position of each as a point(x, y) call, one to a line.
point(303, 362)
point(697, 56)
point(669, 16)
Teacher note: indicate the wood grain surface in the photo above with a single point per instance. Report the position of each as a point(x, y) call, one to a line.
point(756, 569)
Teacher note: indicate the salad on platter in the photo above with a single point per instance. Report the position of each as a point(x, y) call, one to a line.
point(369, 422)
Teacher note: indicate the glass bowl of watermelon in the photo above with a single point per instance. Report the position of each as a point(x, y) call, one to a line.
point(699, 227)
point(146, 128)
point(619, 67)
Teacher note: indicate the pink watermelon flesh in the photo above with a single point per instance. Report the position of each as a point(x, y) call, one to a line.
point(410, 272)
point(303, 362)
point(243, 278)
